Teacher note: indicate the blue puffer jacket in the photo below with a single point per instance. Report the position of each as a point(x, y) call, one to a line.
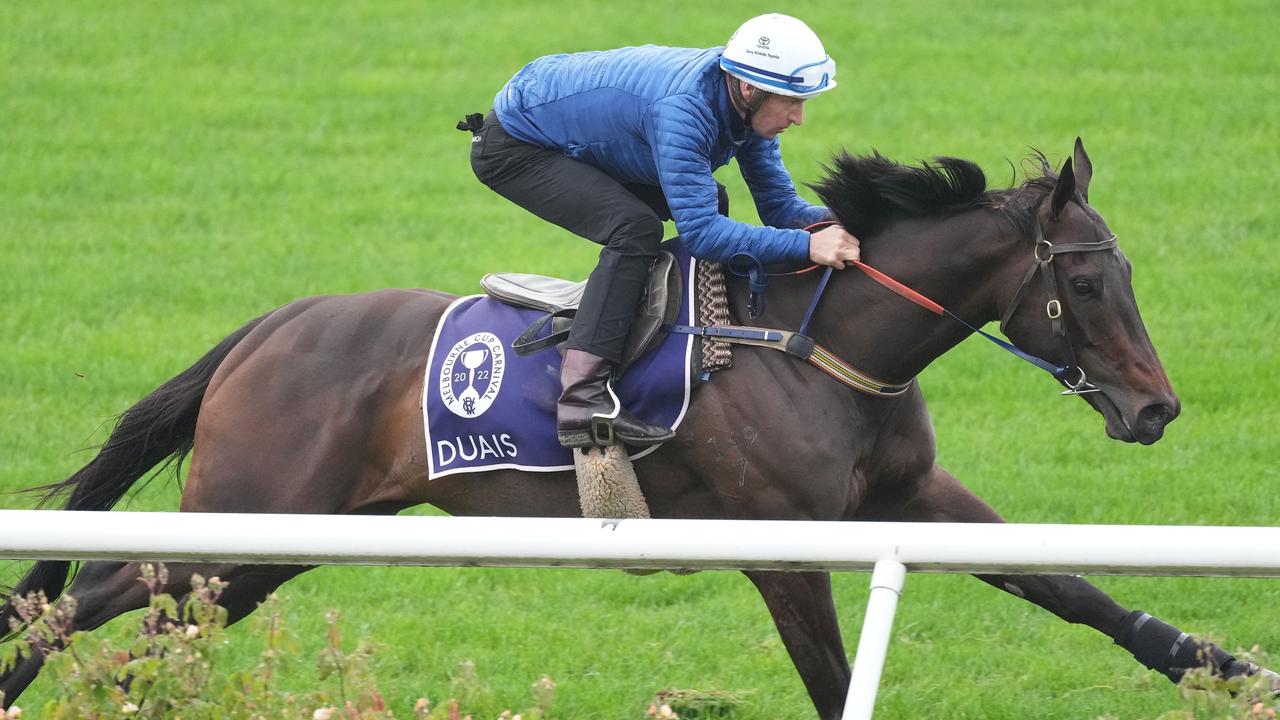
point(662, 116)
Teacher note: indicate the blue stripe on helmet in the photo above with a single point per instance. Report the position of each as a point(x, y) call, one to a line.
point(788, 79)
point(777, 80)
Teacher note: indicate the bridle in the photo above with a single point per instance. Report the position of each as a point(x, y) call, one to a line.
point(1044, 252)
point(802, 347)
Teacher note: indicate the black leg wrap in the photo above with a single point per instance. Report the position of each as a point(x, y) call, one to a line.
point(1163, 647)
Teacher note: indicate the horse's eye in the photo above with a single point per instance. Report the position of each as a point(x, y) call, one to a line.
point(1082, 286)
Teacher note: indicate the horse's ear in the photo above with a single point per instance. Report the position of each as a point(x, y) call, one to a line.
point(1083, 170)
point(1063, 191)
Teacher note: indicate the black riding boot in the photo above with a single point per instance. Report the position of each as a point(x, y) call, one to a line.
point(589, 412)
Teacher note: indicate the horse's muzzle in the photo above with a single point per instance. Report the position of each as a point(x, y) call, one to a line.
point(1146, 426)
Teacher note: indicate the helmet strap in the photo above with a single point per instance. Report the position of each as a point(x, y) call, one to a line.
point(740, 101)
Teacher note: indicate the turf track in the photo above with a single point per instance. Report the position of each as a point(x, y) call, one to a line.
point(168, 170)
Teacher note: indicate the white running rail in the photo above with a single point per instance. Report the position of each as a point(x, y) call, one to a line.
point(889, 549)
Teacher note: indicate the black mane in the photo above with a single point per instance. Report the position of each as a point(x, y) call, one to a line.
point(868, 192)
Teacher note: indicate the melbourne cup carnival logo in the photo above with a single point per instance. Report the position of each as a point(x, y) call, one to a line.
point(472, 374)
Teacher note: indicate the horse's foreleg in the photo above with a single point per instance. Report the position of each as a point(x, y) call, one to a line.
point(805, 615)
point(1154, 643)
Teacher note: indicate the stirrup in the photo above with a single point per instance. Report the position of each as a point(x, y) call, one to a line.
point(602, 429)
point(602, 423)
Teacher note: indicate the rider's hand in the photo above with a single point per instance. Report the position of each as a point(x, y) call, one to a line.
point(833, 246)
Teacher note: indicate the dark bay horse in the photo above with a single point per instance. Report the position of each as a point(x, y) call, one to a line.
point(315, 408)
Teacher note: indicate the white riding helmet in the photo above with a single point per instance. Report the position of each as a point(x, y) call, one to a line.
point(781, 55)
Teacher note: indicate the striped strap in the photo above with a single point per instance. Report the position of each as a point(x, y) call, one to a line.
point(829, 363)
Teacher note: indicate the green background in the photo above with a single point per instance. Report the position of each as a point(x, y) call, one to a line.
point(169, 170)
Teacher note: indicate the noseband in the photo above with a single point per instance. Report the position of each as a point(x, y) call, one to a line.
point(1044, 253)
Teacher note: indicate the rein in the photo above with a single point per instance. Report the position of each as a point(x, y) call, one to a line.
point(801, 346)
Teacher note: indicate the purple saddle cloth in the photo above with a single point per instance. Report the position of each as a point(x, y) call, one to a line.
point(486, 408)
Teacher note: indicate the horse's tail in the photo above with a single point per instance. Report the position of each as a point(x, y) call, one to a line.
point(158, 429)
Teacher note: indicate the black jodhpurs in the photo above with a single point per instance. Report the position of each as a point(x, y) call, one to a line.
point(625, 218)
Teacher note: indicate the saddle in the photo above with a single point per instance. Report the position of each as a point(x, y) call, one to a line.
point(559, 299)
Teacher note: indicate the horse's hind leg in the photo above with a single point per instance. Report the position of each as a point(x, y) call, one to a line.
point(805, 615)
point(1154, 643)
point(106, 590)
point(102, 591)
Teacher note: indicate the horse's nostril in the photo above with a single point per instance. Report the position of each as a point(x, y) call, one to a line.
point(1155, 416)
point(1151, 421)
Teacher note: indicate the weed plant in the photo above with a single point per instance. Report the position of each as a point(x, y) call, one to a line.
point(178, 668)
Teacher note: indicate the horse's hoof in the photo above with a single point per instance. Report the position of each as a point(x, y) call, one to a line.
point(1270, 684)
point(1273, 679)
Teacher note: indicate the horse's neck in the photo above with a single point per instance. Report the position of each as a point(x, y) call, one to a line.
point(954, 262)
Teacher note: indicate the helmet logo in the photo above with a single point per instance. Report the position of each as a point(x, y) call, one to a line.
point(762, 48)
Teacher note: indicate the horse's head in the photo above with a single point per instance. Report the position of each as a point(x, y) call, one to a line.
point(1075, 306)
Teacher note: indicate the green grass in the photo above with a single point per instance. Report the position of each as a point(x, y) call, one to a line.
point(169, 170)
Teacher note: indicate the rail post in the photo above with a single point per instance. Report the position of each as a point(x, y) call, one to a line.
point(886, 585)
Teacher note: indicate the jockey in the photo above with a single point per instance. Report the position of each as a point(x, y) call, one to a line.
point(609, 144)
